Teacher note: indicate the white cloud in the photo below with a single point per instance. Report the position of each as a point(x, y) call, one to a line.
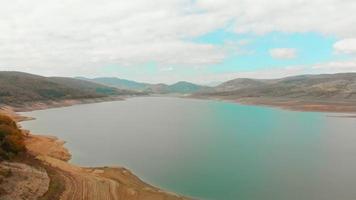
point(206, 78)
point(332, 17)
point(264, 74)
point(79, 37)
point(258, 74)
point(336, 66)
point(283, 53)
point(66, 37)
point(273, 73)
point(166, 69)
point(347, 46)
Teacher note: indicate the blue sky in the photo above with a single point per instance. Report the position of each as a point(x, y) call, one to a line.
point(310, 47)
point(251, 52)
point(201, 41)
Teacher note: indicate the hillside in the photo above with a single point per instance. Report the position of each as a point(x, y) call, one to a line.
point(119, 83)
point(318, 87)
point(181, 87)
point(89, 86)
point(325, 92)
point(185, 88)
point(18, 88)
point(239, 83)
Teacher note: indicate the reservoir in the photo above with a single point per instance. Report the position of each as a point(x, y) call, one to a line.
point(211, 149)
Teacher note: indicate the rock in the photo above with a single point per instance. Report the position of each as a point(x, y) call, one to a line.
point(24, 182)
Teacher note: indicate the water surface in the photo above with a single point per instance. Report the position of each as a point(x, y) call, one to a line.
point(212, 150)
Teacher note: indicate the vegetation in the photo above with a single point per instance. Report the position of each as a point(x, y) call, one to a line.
point(11, 138)
point(325, 87)
point(119, 83)
point(184, 87)
point(18, 88)
point(181, 87)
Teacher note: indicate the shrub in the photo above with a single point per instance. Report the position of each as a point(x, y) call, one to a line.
point(11, 138)
point(4, 119)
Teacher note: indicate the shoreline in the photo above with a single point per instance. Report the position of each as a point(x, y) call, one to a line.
point(291, 104)
point(303, 106)
point(281, 103)
point(42, 105)
point(92, 182)
point(84, 182)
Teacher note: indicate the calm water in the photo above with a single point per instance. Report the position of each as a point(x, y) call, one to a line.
point(213, 150)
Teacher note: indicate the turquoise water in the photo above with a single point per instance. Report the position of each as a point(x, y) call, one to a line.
point(213, 150)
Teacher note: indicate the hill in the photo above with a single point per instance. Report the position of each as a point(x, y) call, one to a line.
point(239, 83)
point(314, 87)
point(181, 87)
point(18, 88)
point(89, 86)
point(184, 87)
point(325, 92)
point(119, 83)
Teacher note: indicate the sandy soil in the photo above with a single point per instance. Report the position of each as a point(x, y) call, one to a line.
point(9, 111)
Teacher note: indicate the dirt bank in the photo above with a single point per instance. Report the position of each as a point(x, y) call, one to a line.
point(303, 105)
point(290, 103)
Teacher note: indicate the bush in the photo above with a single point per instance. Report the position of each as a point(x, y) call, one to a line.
point(11, 138)
point(6, 120)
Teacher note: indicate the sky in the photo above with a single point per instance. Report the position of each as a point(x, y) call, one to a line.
point(203, 41)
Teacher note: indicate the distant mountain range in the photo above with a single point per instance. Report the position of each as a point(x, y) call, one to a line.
point(19, 87)
point(118, 83)
point(327, 87)
point(181, 87)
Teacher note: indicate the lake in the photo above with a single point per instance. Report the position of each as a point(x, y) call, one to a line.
point(211, 149)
